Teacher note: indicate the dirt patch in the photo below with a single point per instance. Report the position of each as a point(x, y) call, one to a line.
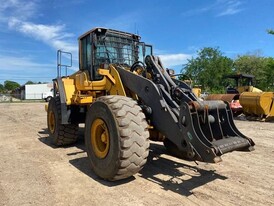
point(33, 172)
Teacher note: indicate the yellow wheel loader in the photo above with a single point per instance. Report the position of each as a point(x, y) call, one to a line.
point(125, 97)
point(256, 103)
point(242, 82)
point(247, 99)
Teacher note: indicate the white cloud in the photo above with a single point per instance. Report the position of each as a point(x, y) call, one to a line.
point(53, 35)
point(230, 7)
point(9, 63)
point(170, 60)
point(17, 14)
point(19, 8)
point(221, 7)
point(21, 69)
point(14, 63)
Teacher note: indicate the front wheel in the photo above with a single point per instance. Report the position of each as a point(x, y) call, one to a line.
point(116, 137)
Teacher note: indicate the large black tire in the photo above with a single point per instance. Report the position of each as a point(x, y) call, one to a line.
point(60, 134)
point(125, 151)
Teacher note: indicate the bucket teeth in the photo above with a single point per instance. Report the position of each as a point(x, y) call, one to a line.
point(213, 130)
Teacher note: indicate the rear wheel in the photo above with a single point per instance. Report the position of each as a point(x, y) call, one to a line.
point(116, 137)
point(60, 134)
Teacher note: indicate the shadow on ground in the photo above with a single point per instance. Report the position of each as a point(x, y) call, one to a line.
point(242, 117)
point(83, 165)
point(179, 175)
point(172, 174)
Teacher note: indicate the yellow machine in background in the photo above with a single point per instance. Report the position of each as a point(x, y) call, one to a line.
point(196, 89)
point(258, 105)
point(246, 98)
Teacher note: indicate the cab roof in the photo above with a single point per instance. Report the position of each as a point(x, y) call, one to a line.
point(104, 30)
point(239, 76)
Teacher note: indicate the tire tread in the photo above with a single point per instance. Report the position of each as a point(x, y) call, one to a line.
point(67, 133)
point(134, 135)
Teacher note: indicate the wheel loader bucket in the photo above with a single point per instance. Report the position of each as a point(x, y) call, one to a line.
point(223, 97)
point(213, 132)
point(258, 104)
point(200, 130)
point(232, 99)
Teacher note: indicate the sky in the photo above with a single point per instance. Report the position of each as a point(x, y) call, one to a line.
point(31, 31)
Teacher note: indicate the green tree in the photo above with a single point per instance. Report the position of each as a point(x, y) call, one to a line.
point(11, 85)
point(270, 69)
point(249, 64)
point(260, 67)
point(269, 74)
point(208, 69)
point(2, 89)
point(30, 82)
point(270, 31)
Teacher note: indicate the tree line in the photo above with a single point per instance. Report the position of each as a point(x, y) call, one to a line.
point(209, 68)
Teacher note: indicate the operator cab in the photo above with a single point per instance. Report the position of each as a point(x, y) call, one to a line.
point(242, 83)
point(100, 47)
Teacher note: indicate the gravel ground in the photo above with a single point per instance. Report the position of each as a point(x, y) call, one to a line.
point(33, 172)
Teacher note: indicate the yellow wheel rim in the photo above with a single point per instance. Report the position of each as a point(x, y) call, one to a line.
point(100, 138)
point(51, 122)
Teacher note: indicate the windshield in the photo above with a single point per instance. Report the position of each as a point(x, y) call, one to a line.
point(116, 49)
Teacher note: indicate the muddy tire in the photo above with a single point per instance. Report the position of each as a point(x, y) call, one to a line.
point(116, 137)
point(60, 134)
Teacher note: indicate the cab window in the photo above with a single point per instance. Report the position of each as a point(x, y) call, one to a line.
point(85, 63)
